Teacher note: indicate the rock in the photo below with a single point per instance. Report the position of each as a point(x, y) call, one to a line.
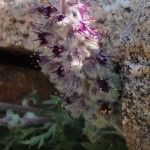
point(17, 77)
point(20, 75)
point(136, 77)
point(17, 36)
point(112, 15)
point(18, 82)
point(15, 25)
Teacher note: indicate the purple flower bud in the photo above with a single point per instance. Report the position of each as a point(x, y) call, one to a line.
point(83, 11)
point(90, 67)
point(101, 58)
point(77, 107)
point(70, 83)
point(70, 99)
point(37, 26)
point(83, 28)
point(76, 52)
point(48, 66)
point(37, 9)
point(43, 60)
point(42, 38)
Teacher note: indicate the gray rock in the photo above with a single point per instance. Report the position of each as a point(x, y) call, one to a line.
point(136, 77)
point(15, 25)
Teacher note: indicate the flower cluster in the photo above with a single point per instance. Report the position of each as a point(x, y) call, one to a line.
point(73, 57)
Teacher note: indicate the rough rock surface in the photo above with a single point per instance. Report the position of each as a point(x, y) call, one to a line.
point(136, 78)
point(18, 82)
point(113, 15)
point(15, 31)
point(15, 25)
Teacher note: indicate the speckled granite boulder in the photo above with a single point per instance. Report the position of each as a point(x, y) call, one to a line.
point(16, 80)
point(15, 22)
point(113, 15)
point(15, 25)
point(136, 77)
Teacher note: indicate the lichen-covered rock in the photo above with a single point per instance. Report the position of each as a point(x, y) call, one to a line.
point(136, 78)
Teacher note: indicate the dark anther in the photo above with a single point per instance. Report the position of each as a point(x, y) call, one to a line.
point(60, 17)
point(68, 100)
point(103, 85)
point(49, 10)
point(60, 71)
point(57, 50)
point(42, 38)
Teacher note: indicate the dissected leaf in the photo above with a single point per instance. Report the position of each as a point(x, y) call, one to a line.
point(34, 98)
point(51, 133)
point(54, 100)
point(29, 131)
point(8, 146)
point(41, 143)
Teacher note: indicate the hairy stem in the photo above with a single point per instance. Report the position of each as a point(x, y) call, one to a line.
point(39, 120)
point(63, 6)
point(76, 1)
point(19, 108)
point(28, 121)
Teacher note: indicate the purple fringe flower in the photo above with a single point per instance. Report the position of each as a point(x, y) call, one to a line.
point(72, 58)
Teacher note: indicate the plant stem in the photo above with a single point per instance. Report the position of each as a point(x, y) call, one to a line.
point(19, 108)
point(37, 120)
point(28, 121)
point(3, 121)
point(76, 1)
point(63, 6)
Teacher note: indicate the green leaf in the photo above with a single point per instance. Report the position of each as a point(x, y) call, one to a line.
point(27, 132)
point(62, 115)
point(41, 143)
point(54, 100)
point(51, 133)
point(8, 145)
point(34, 140)
point(34, 98)
point(65, 145)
